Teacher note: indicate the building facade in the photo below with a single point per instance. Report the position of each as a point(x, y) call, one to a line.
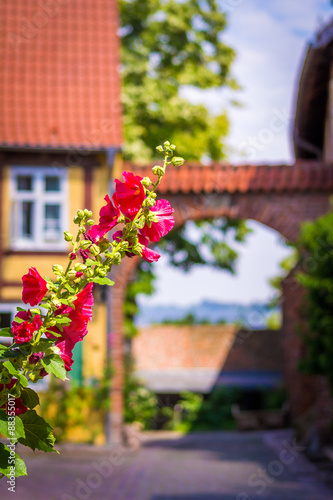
point(60, 138)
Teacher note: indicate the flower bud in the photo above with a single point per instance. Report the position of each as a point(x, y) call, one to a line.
point(90, 222)
point(72, 256)
point(166, 144)
point(57, 269)
point(159, 149)
point(94, 250)
point(68, 236)
point(80, 267)
point(35, 357)
point(172, 147)
point(102, 272)
point(84, 244)
point(141, 222)
point(146, 182)
point(77, 219)
point(116, 258)
point(149, 202)
point(137, 249)
point(121, 219)
point(71, 275)
point(158, 170)
point(177, 161)
point(87, 213)
point(80, 214)
point(89, 272)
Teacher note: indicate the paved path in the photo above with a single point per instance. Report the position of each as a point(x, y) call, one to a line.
point(200, 466)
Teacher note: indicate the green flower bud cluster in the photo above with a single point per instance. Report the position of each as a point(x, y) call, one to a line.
point(83, 216)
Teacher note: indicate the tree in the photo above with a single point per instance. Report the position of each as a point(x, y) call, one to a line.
point(316, 245)
point(169, 46)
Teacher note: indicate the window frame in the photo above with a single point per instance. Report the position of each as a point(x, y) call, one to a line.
point(40, 197)
point(9, 307)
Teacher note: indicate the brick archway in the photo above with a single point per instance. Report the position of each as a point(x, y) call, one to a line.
point(280, 197)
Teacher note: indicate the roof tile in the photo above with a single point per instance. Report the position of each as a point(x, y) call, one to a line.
point(60, 84)
point(221, 178)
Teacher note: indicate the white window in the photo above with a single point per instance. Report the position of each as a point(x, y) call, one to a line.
point(7, 313)
point(39, 208)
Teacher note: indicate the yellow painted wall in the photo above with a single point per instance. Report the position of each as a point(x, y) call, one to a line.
point(14, 265)
point(94, 344)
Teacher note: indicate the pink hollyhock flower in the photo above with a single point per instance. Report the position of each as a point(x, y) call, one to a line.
point(77, 329)
point(147, 253)
point(108, 217)
point(34, 287)
point(23, 332)
point(165, 223)
point(19, 406)
point(66, 354)
point(129, 195)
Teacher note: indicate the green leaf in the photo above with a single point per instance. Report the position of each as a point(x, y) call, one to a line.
point(54, 364)
point(10, 466)
point(56, 334)
point(90, 262)
point(103, 281)
point(6, 332)
point(38, 433)
point(62, 320)
point(15, 430)
point(29, 397)
point(23, 381)
point(11, 368)
point(19, 320)
point(69, 288)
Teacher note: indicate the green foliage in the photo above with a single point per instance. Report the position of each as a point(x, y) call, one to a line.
point(29, 397)
point(209, 246)
point(54, 364)
point(10, 466)
point(168, 48)
point(140, 403)
point(38, 433)
point(286, 266)
point(316, 245)
point(76, 413)
point(14, 430)
point(274, 321)
point(199, 414)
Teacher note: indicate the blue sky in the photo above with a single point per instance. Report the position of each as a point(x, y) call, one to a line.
point(270, 39)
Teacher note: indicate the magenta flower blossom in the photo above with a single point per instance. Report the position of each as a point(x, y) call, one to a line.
point(23, 332)
point(34, 287)
point(147, 253)
point(129, 195)
point(165, 223)
point(78, 327)
point(108, 217)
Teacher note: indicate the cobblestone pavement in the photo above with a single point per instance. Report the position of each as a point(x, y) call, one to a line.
point(199, 466)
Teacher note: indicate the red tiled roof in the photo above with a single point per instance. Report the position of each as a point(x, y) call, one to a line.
point(218, 178)
point(59, 81)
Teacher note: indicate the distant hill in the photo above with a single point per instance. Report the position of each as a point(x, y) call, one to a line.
point(252, 315)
